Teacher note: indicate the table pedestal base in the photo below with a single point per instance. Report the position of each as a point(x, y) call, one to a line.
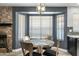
point(40, 50)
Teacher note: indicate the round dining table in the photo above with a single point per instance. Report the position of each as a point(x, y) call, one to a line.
point(40, 43)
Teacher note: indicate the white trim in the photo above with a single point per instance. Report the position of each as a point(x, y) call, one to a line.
point(42, 12)
point(15, 50)
point(65, 50)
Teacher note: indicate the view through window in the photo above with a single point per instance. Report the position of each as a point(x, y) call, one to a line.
point(40, 26)
point(60, 27)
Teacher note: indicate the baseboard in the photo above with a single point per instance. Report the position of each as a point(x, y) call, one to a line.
point(60, 49)
point(14, 50)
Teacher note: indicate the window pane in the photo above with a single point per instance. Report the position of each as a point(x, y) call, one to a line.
point(60, 27)
point(40, 26)
point(34, 26)
point(46, 25)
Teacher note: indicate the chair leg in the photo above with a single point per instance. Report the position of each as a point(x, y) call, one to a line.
point(30, 53)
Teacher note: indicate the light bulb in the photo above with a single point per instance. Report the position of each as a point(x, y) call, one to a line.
point(70, 30)
point(43, 9)
point(38, 8)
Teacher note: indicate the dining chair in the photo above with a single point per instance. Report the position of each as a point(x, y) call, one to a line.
point(28, 38)
point(50, 52)
point(48, 37)
point(27, 49)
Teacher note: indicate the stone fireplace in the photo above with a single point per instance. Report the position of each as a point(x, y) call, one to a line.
point(6, 26)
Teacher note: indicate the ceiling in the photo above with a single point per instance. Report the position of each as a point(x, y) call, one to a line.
point(35, 4)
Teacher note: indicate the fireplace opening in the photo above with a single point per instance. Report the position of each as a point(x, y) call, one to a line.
point(3, 41)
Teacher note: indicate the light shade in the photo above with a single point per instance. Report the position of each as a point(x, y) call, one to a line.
point(41, 8)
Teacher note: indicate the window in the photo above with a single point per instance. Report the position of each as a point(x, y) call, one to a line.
point(40, 26)
point(60, 27)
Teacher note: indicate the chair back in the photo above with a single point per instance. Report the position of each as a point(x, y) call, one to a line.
point(26, 38)
point(26, 47)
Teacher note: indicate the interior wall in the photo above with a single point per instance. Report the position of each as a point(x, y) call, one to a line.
point(71, 21)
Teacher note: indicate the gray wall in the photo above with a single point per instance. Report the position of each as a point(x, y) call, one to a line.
point(27, 25)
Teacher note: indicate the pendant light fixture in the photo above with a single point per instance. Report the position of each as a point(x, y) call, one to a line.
point(40, 8)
